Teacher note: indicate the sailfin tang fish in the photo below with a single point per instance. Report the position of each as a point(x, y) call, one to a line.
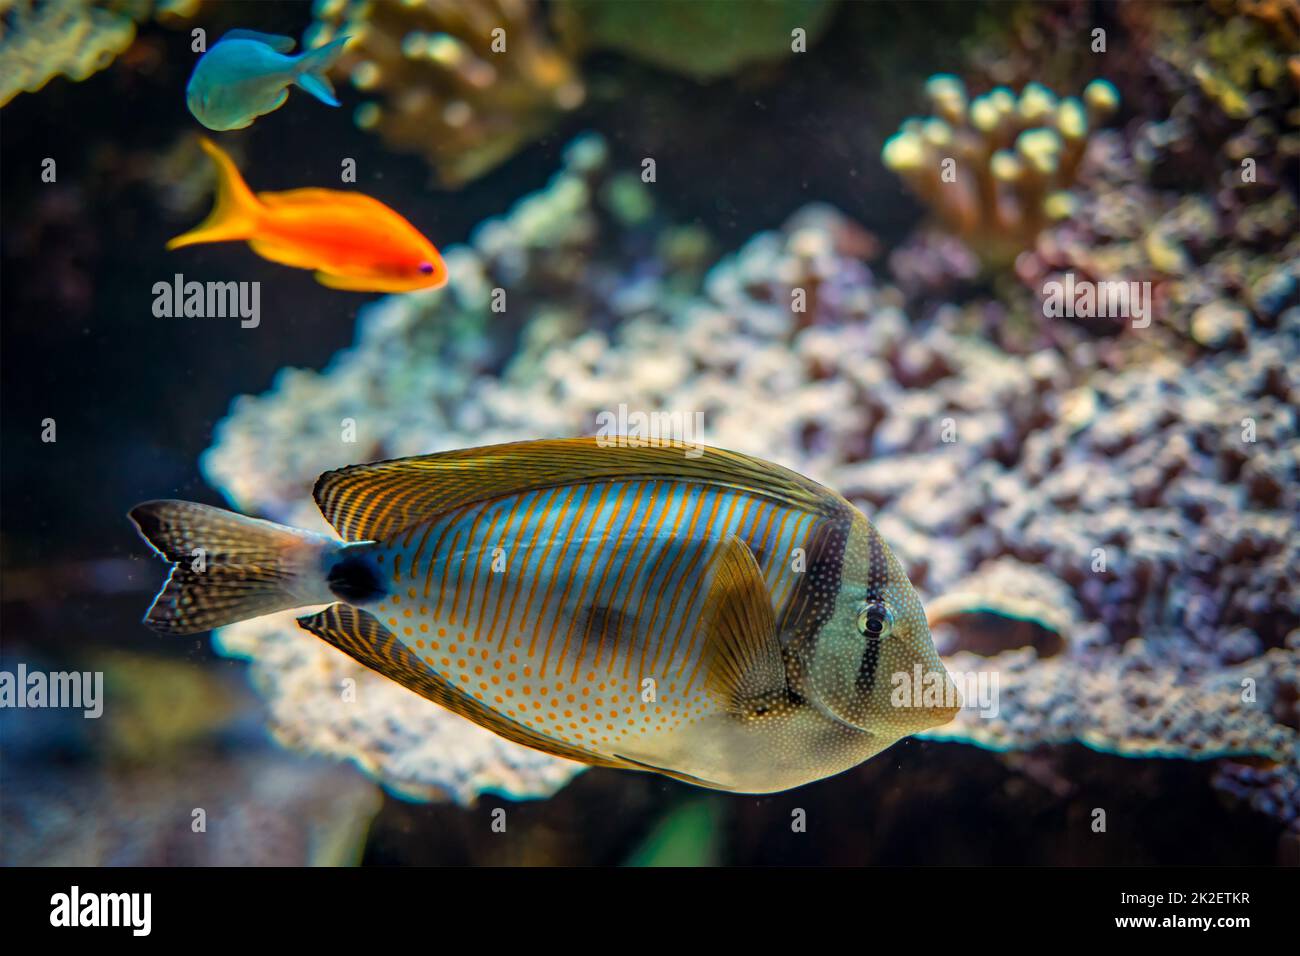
point(718, 619)
point(247, 74)
point(351, 241)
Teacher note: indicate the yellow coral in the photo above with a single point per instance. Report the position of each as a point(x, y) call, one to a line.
point(1238, 48)
point(72, 38)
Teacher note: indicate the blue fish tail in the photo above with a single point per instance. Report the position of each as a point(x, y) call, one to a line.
point(311, 67)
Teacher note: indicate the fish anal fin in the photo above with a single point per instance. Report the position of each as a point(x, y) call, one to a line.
point(372, 283)
point(348, 283)
point(359, 634)
point(284, 253)
point(375, 501)
point(742, 660)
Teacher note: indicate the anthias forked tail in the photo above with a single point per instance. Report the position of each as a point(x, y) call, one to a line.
point(236, 213)
point(229, 567)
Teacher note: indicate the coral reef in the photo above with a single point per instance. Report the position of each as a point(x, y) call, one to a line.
point(42, 39)
point(1196, 198)
point(994, 169)
point(463, 82)
point(1212, 257)
point(1232, 50)
point(1199, 201)
point(1159, 497)
point(1020, 41)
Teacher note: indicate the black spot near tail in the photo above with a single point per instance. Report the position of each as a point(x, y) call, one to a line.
point(355, 579)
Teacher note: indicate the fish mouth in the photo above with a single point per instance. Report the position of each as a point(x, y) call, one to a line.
point(925, 716)
point(916, 717)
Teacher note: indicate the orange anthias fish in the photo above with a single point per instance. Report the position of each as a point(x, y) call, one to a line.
point(351, 241)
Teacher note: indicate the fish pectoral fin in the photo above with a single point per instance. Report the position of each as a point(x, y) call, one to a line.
point(742, 659)
point(278, 43)
point(359, 634)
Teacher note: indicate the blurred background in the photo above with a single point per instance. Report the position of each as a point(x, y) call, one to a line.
point(795, 146)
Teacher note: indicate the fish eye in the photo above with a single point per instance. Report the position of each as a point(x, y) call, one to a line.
point(426, 268)
point(875, 620)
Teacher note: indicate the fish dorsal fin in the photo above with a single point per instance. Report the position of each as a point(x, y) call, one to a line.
point(742, 659)
point(359, 635)
point(314, 196)
point(278, 43)
point(375, 501)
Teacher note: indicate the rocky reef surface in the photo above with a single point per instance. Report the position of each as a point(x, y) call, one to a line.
point(1106, 527)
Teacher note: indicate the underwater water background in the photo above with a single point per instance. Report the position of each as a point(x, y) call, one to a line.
point(137, 400)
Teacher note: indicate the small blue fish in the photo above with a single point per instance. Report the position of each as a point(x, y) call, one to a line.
point(246, 74)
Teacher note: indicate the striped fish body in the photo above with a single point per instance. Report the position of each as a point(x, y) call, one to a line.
point(626, 607)
point(578, 610)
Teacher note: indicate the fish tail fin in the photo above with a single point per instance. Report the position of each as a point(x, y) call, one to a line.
point(228, 567)
point(311, 70)
point(236, 212)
